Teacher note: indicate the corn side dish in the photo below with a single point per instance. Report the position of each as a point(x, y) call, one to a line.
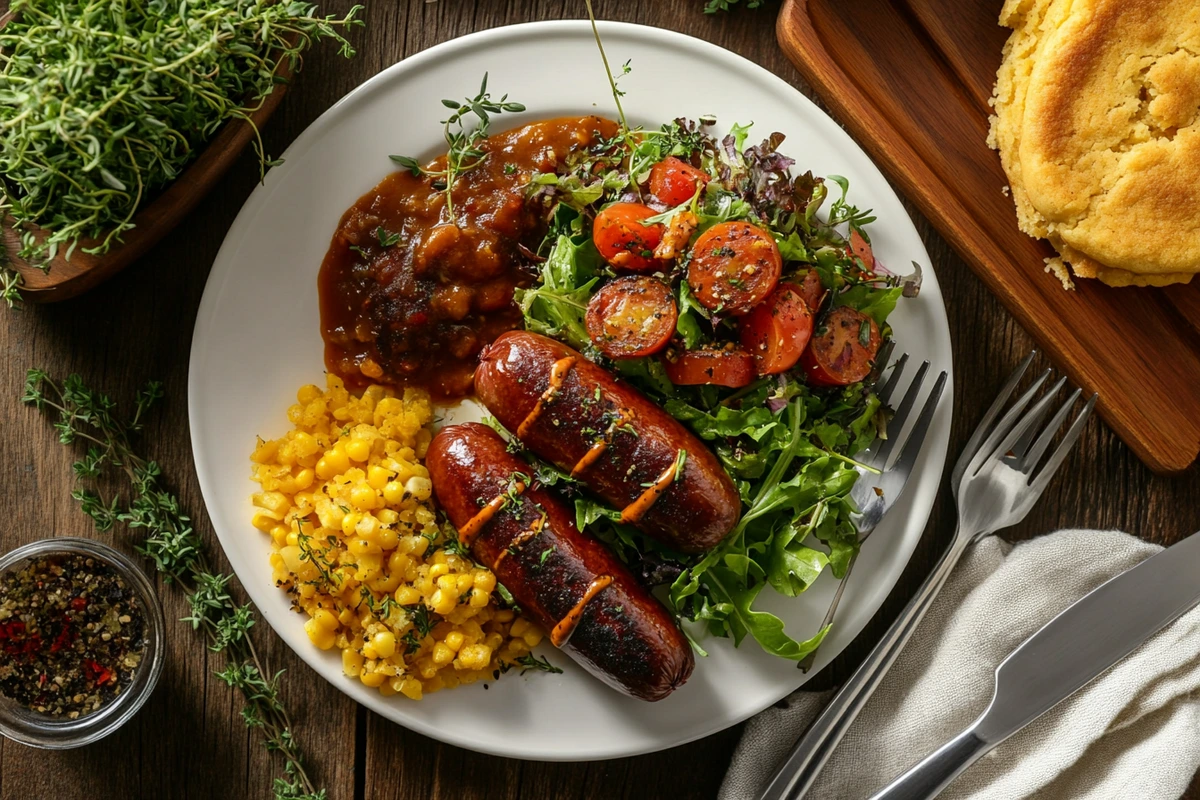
point(346, 502)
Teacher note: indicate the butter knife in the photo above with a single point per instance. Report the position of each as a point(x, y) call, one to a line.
point(1070, 650)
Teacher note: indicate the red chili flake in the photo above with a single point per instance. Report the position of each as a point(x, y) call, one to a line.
point(65, 637)
point(98, 673)
point(79, 603)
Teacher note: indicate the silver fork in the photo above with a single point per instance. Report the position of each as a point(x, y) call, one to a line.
point(996, 482)
point(881, 483)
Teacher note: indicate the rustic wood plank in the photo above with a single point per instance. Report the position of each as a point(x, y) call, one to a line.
point(189, 741)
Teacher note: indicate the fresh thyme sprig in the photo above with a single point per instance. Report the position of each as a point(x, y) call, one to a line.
point(102, 104)
point(464, 152)
point(170, 541)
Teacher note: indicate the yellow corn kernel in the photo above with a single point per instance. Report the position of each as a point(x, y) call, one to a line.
point(504, 615)
point(388, 688)
point(473, 656)
point(307, 393)
point(387, 516)
point(352, 662)
point(407, 596)
point(485, 581)
point(454, 640)
point(279, 535)
point(533, 637)
point(443, 602)
point(363, 497)
point(320, 636)
point(388, 539)
point(411, 688)
point(427, 669)
point(479, 598)
point(438, 570)
point(367, 527)
point(384, 643)
point(464, 582)
point(493, 640)
point(349, 521)
point(519, 626)
point(358, 450)
point(393, 492)
point(448, 583)
point(362, 547)
point(264, 520)
point(378, 477)
point(420, 488)
point(442, 654)
point(373, 679)
point(326, 619)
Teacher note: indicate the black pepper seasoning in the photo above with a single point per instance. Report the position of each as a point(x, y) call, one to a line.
point(72, 634)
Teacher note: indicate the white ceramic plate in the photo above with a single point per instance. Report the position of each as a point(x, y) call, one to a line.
point(257, 340)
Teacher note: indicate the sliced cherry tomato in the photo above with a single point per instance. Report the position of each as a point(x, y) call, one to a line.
point(732, 368)
point(631, 317)
point(777, 331)
point(861, 249)
point(734, 266)
point(674, 181)
point(843, 350)
point(624, 241)
point(812, 290)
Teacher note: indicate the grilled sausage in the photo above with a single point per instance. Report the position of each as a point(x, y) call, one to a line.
point(577, 416)
point(563, 579)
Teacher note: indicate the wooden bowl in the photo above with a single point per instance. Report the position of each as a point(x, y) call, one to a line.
point(67, 278)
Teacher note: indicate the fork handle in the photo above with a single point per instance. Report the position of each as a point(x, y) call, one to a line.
point(796, 774)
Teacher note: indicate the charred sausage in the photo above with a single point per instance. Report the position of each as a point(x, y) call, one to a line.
point(563, 579)
point(629, 451)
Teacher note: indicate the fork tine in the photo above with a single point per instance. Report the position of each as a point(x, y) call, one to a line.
point(916, 437)
point(1058, 456)
point(1030, 421)
point(1021, 445)
point(1000, 430)
point(985, 424)
point(889, 386)
point(900, 419)
point(1030, 460)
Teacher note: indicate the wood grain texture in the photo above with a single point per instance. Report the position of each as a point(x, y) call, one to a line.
point(911, 82)
point(189, 741)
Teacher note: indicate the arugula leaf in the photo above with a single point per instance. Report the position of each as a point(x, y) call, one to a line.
point(557, 307)
point(877, 303)
point(767, 629)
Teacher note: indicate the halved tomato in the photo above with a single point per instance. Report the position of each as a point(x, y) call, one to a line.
point(734, 266)
point(860, 248)
point(812, 290)
point(631, 317)
point(674, 181)
point(624, 241)
point(777, 330)
point(843, 350)
point(731, 368)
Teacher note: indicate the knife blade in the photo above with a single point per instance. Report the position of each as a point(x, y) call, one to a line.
point(1063, 656)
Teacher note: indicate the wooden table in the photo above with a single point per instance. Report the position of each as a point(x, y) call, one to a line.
point(189, 739)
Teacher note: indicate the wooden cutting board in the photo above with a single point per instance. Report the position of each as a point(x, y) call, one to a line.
point(910, 80)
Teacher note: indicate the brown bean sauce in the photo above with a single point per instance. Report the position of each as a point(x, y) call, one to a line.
point(419, 311)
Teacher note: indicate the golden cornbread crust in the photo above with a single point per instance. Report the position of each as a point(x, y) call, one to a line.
point(1098, 128)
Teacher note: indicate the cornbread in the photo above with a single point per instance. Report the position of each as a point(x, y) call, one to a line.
point(346, 502)
point(1098, 127)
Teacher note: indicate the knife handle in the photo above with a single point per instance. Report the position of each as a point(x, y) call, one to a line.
point(934, 773)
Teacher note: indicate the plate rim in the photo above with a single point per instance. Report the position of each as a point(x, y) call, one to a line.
point(205, 318)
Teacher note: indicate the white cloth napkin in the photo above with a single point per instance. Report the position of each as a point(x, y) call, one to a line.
point(1134, 732)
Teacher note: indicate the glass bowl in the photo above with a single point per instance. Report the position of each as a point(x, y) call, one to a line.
point(20, 724)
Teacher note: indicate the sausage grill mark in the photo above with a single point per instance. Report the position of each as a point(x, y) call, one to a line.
point(624, 417)
point(467, 533)
point(566, 626)
point(520, 539)
point(635, 510)
point(558, 373)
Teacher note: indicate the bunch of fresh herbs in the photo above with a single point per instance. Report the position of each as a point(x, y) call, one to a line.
point(104, 102)
point(463, 141)
point(170, 541)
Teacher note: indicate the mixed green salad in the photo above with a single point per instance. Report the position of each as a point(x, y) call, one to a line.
point(747, 302)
